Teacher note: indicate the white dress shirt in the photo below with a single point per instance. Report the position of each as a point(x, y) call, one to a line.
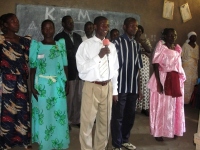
point(88, 62)
point(84, 38)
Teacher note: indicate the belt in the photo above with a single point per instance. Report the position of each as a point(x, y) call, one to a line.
point(52, 78)
point(102, 83)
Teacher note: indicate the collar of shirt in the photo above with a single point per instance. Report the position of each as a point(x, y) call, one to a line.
point(70, 34)
point(97, 39)
point(125, 36)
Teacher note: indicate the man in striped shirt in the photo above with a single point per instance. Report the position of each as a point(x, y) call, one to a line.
point(123, 110)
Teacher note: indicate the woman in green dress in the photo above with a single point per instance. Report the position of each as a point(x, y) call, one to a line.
point(48, 63)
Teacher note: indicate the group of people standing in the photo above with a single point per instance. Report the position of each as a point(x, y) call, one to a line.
point(81, 81)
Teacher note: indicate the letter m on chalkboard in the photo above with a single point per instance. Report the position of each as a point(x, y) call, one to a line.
point(83, 14)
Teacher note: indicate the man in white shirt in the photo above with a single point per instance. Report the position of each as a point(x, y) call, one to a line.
point(99, 89)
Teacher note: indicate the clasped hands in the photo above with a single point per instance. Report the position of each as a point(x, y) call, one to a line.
point(36, 93)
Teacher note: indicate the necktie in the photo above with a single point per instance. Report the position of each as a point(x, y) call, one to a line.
point(104, 67)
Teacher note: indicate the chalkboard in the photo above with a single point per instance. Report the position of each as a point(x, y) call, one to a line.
point(31, 17)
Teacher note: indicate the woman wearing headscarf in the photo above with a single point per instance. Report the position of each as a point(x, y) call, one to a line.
point(166, 86)
point(190, 57)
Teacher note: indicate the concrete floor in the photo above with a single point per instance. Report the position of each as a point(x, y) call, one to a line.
point(141, 138)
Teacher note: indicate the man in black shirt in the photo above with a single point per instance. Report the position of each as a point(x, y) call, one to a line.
point(72, 42)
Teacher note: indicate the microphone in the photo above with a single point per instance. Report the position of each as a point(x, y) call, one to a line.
point(106, 42)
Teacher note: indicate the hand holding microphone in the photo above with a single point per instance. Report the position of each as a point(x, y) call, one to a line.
point(105, 51)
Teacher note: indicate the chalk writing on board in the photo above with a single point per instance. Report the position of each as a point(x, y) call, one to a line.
point(33, 31)
point(31, 17)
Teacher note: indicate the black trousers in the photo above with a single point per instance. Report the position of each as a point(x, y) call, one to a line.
point(123, 116)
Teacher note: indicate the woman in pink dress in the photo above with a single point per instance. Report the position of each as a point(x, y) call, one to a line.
point(167, 89)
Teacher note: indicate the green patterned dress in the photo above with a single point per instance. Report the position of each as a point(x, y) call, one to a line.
point(49, 113)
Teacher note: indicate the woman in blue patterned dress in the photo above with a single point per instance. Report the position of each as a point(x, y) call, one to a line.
point(15, 114)
point(48, 63)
